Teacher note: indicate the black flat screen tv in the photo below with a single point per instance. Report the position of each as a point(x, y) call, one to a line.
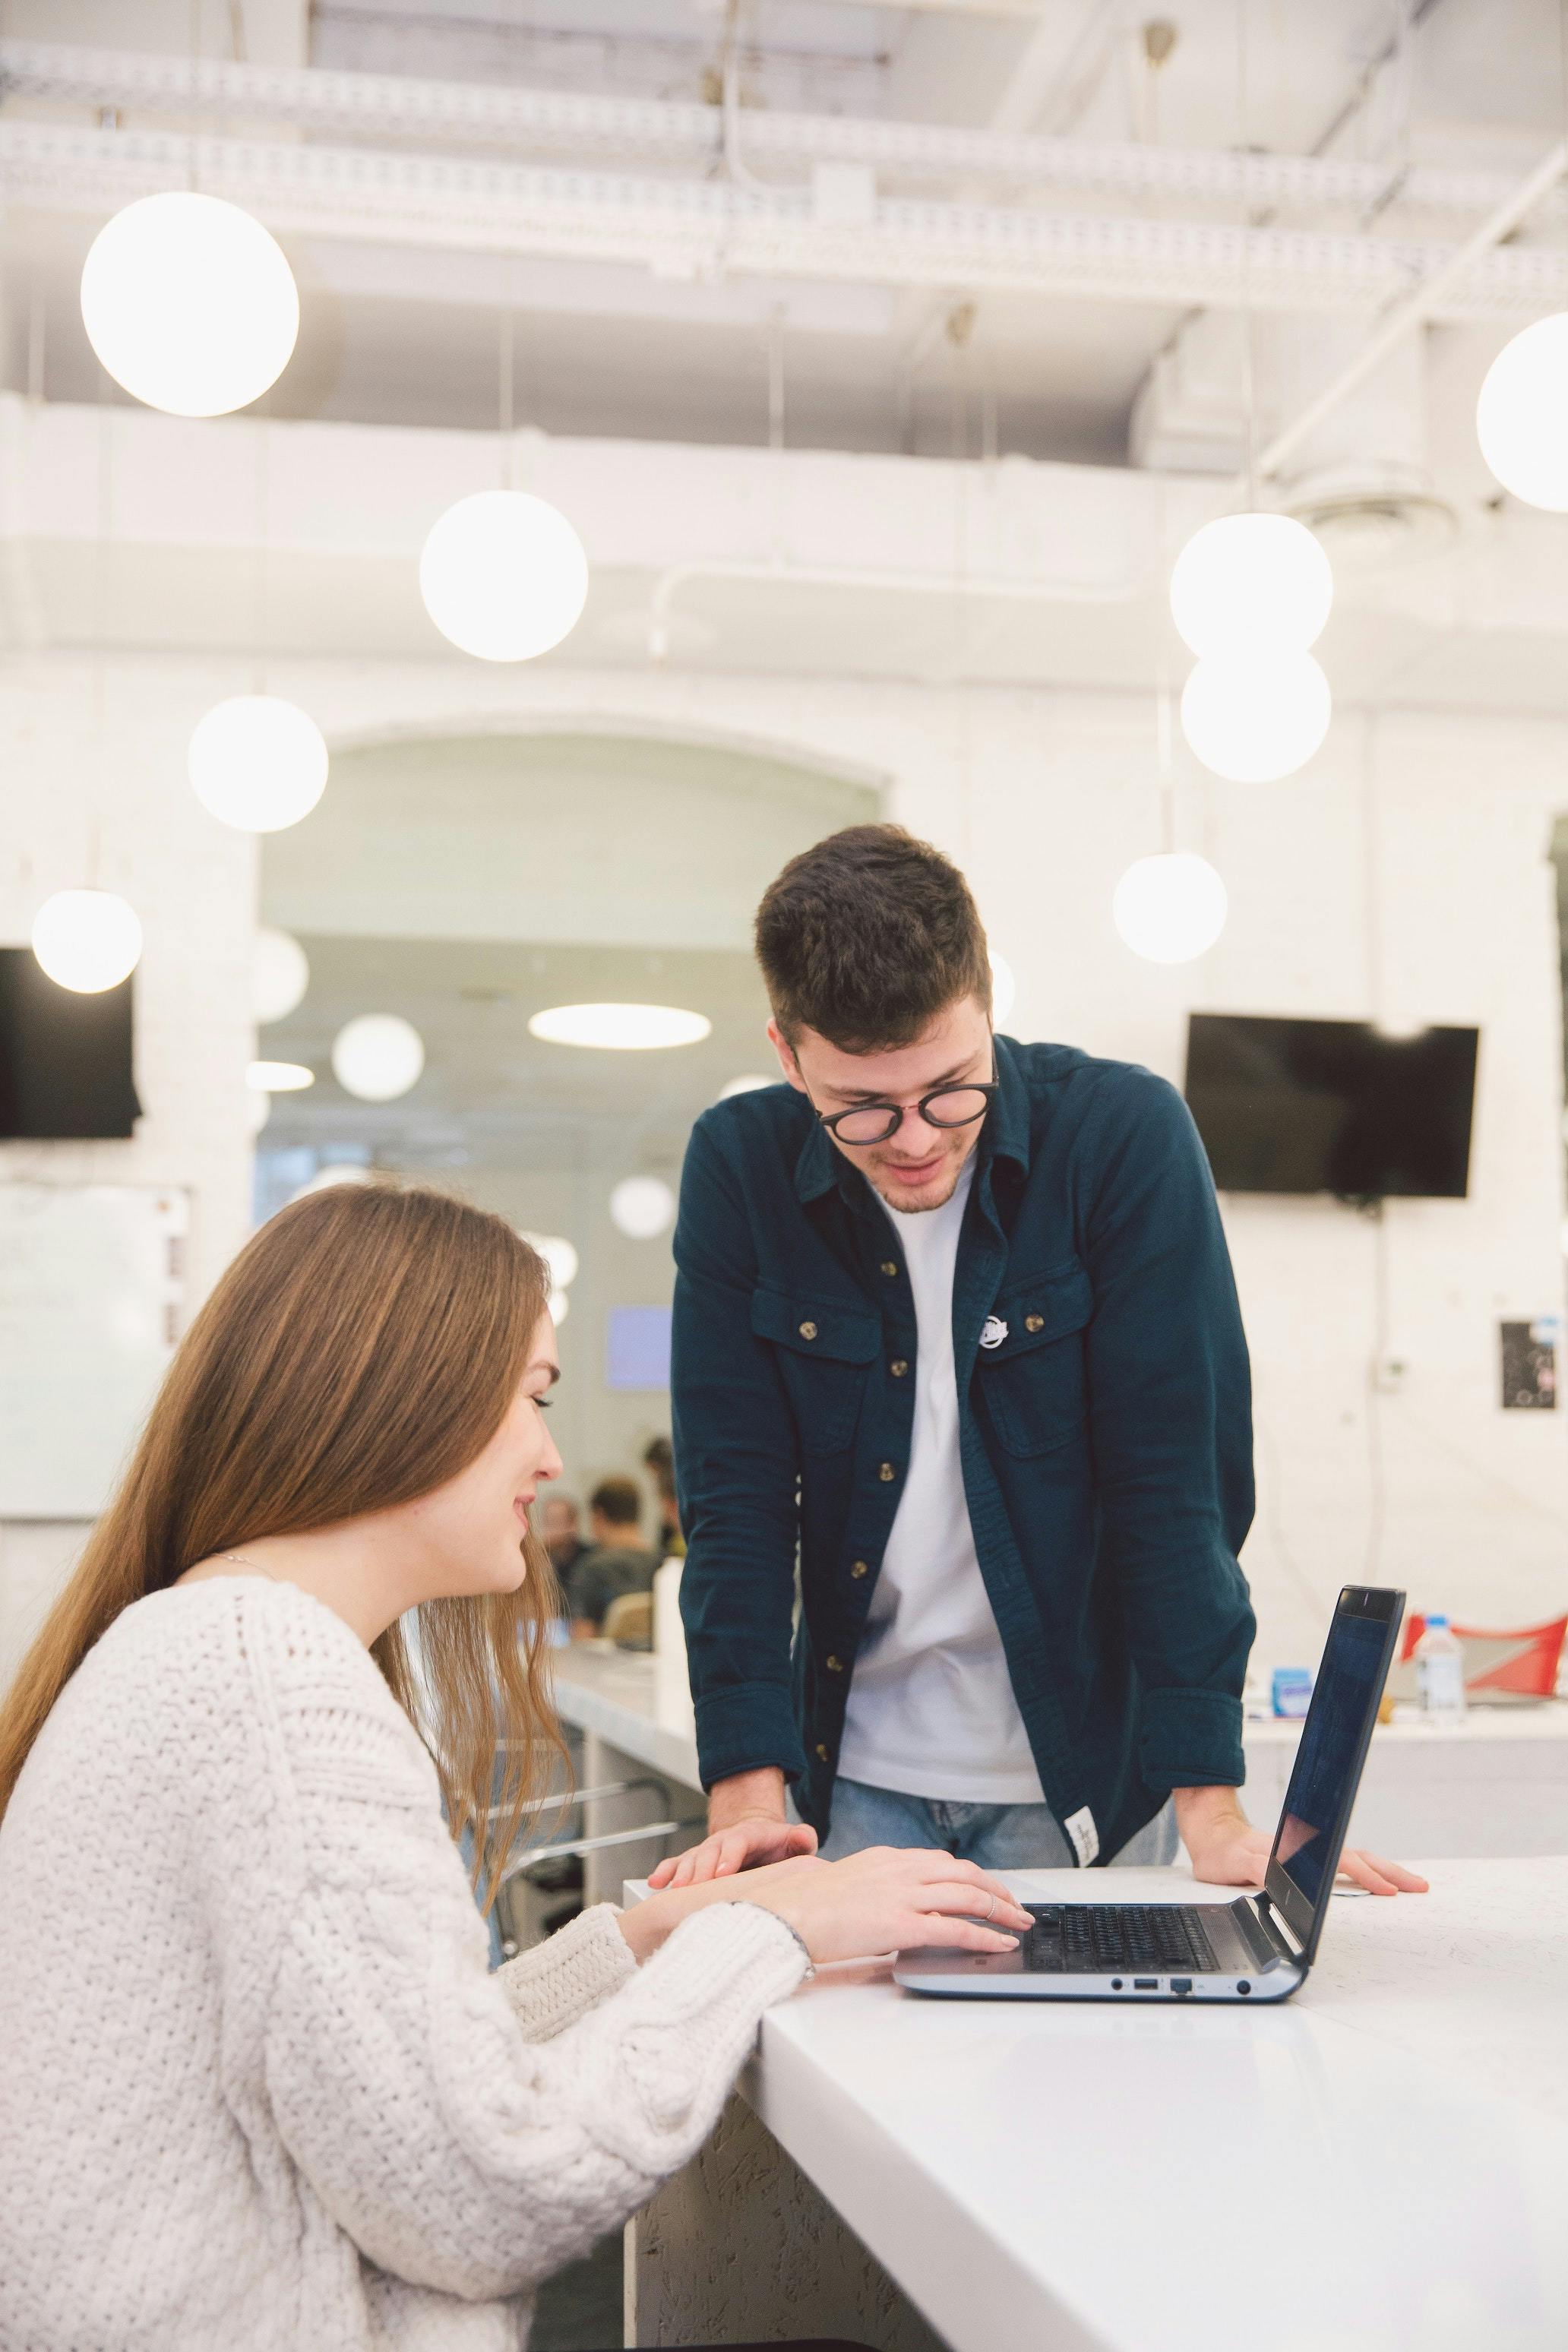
point(1340, 1106)
point(64, 1059)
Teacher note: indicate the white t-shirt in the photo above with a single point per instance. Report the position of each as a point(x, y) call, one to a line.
point(931, 1711)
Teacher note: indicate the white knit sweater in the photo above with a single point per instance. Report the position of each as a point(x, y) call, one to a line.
point(258, 2086)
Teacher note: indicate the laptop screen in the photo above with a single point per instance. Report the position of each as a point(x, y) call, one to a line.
point(1333, 1747)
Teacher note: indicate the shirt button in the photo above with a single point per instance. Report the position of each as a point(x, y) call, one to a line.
point(821, 1753)
point(1034, 1322)
point(809, 1330)
point(890, 1265)
point(859, 1569)
point(887, 1474)
point(898, 1368)
point(834, 1665)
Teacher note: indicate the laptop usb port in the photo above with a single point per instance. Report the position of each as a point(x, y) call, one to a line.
point(1145, 1984)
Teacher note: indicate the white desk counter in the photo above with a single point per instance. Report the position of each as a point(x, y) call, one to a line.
point(1495, 1786)
point(1379, 2166)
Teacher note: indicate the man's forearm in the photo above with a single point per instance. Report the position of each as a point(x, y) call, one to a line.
point(747, 1795)
point(1202, 1812)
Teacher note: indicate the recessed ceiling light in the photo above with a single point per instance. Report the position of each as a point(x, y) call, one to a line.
point(623, 1028)
point(280, 1077)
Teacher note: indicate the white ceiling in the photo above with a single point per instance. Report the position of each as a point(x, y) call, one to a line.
point(402, 335)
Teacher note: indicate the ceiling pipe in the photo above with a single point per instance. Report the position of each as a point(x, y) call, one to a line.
point(556, 121)
point(1425, 300)
point(697, 227)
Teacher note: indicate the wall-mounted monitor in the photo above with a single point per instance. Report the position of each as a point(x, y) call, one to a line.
point(1340, 1107)
point(64, 1059)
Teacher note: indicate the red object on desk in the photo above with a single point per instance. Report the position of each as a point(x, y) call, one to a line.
point(1521, 1665)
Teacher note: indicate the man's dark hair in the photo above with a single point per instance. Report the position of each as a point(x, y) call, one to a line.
point(658, 1461)
point(867, 936)
point(618, 1500)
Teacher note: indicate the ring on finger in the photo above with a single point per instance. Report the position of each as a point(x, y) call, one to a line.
point(991, 1912)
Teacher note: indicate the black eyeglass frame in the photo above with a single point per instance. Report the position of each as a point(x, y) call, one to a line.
point(833, 1121)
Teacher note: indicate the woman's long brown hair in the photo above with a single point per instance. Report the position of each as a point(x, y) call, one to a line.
point(362, 1349)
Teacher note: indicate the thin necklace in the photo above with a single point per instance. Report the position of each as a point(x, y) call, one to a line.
point(240, 1558)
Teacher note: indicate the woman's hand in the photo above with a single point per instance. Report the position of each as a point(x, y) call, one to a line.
point(887, 1899)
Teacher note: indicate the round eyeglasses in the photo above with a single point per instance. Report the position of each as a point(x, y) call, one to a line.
point(875, 1122)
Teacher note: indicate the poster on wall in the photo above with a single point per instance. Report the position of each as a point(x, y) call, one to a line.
point(1529, 1363)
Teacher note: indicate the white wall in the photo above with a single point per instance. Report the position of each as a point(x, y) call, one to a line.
point(1403, 874)
point(85, 804)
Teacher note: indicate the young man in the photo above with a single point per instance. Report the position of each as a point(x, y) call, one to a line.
point(954, 1317)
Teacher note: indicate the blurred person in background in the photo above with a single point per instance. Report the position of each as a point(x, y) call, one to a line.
point(561, 1532)
point(658, 1461)
point(617, 1561)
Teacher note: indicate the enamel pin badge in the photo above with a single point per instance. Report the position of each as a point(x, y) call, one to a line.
point(995, 1332)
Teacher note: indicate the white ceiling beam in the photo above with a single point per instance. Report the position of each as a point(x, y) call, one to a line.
point(558, 123)
point(711, 228)
point(1425, 300)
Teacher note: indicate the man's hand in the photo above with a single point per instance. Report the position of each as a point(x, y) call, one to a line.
point(1226, 1850)
point(746, 1829)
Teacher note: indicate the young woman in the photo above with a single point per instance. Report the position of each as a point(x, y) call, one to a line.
point(259, 2087)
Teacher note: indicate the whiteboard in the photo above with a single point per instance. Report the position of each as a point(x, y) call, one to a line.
point(92, 1287)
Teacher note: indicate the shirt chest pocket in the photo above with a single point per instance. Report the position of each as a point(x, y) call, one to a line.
point(824, 1350)
point(1034, 1379)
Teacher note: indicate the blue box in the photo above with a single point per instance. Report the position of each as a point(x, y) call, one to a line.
point(1292, 1691)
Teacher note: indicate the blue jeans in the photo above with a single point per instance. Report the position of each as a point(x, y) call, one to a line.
point(998, 1837)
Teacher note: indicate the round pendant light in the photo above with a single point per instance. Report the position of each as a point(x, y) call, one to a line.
point(1170, 908)
point(503, 575)
point(560, 1257)
point(642, 1207)
point(746, 1085)
point(1254, 718)
point(189, 304)
point(279, 975)
point(1251, 583)
point(280, 1077)
point(558, 1306)
point(378, 1056)
point(620, 1028)
point(1522, 416)
point(87, 941)
point(257, 763)
point(1004, 990)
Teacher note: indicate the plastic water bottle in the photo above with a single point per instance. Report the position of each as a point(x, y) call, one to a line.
point(1440, 1672)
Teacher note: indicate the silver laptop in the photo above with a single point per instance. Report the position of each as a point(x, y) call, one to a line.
point(1258, 1948)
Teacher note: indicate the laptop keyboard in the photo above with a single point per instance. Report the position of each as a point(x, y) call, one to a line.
point(1092, 1938)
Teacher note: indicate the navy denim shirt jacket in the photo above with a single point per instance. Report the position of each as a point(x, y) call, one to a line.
point(1105, 1435)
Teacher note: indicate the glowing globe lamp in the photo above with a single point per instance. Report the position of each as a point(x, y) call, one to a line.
point(503, 575)
point(1253, 719)
point(189, 304)
point(1170, 908)
point(558, 1256)
point(558, 1306)
point(86, 940)
point(377, 1057)
point(257, 763)
point(1522, 416)
point(1004, 990)
point(642, 1207)
point(1251, 583)
point(279, 975)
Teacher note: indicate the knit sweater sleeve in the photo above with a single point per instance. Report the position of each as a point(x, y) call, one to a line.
point(457, 2153)
point(570, 1973)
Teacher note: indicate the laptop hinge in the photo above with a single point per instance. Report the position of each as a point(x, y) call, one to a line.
point(1278, 1929)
